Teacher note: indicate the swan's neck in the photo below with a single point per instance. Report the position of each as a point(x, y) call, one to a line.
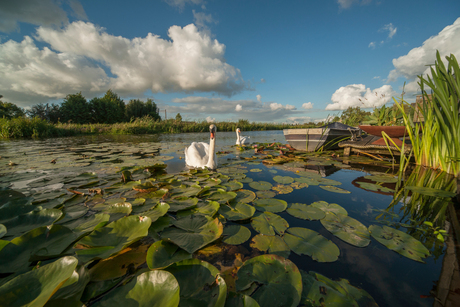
point(212, 149)
point(238, 138)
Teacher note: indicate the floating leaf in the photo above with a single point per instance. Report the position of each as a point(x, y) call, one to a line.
point(400, 242)
point(265, 194)
point(236, 234)
point(303, 241)
point(157, 211)
point(271, 245)
point(255, 170)
point(283, 179)
point(16, 204)
point(240, 300)
point(233, 185)
point(283, 189)
point(271, 280)
point(268, 223)
point(200, 283)
point(334, 189)
point(382, 178)
point(326, 207)
point(72, 213)
point(430, 191)
point(161, 254)
point(221, 196)
point(181, 204)
point(304, 212)
point(326, 181)
point(2, 230)
point(31, 220)
point(260, 185)
point(374, 187)
point(270, 204)
point(35, 287)
point(347, 229)
point(299, 185)
point(73, 288)
point(154, 288)
point(117, 211)
point(193, 232)
point(309, 181)
point(237, 212)
point(245, 196)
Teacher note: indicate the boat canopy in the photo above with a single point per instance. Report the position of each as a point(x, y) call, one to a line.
point(337, 125)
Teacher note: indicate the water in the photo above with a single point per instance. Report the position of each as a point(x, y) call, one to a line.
point(391, 279)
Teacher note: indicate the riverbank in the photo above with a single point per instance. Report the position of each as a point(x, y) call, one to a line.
point(39, 128)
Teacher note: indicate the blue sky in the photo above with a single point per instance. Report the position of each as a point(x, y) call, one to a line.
point(274, 61)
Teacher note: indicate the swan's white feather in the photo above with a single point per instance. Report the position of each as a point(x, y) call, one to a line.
point(197, 155)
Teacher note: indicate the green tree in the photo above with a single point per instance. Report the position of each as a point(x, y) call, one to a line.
point(10, 110)
point(114, 107)
point(137, 109)
point(151, 109)
point(353, 116)
point(178, 118)
point(51, 113)
point(75, 109)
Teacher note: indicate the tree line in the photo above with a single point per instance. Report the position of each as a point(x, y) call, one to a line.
point(109, 109)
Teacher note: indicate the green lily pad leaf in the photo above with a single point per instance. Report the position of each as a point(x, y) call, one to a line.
point(303, 241)
point(283, 189)
point(2, 230)
point(270, 204)
point(299, 185)
point(246, 180)
point(72, 213)
point(208, 208)
point(271, 280)
point(85, 226)
point(430, 191)
point(309, 181)
point(347, 229)
point(236, 234)
point(304, 212)
point(193, 232)
point(74, 286)
point(400, 242)
point(326, 181)
point(334, 189)
point(382, 178)
point(260, 185)
point(157, 211)
point(109, 240)
point(38, 244)
point(35, 287)
point(268, 223)
point(240, 300)
point(17, 204)
point(221, 196)
point(138, 202)
point(162, 254)
point(374, 187)
point(327, 207)
point(207, 288)
point(265, 194)
point(283, 179)
point(255, 170)
point(237, 212)
point(181, 204)
point(271, 245)
point(233, 185)
point(117, 211)
point(31, 220)
point(182, 192)
point(245, 196)
point(154, 288)
point(3, 243)
point(318, 288)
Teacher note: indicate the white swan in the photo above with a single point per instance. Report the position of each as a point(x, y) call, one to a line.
point(202, 155)
point(241, 140)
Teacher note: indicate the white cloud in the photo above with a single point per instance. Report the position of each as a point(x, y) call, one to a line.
point(371, 45)
point(43, 12)
point(181, 3)
point(190, 62)
point(201, 20)
point(262, 80)
point(209, 119)
point(275, 106)
point(414, 63)
point(345, 4)
point(391, 30)
point(238, 108)
point(290, 107)
point(307, 105)
point(299, 119)
point(259, 98)
point(357, 95)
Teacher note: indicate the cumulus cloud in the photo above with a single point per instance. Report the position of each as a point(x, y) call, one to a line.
point(201, 107)
point(43, 12)
point(391, 30)
point(414, 63)
point(357, 95)
point(299, 119)
point(307, 105)
point(181, 3)
point(201, 20)
point(189, 62)
point(372, 45)
point(345, 4)
point(209, 119)
point(259, 98)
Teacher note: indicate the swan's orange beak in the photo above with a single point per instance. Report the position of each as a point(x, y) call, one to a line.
point(213, 134)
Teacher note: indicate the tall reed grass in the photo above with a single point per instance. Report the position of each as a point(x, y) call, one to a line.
point(436, 140)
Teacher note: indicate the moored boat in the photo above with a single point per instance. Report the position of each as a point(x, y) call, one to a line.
point(324, 137)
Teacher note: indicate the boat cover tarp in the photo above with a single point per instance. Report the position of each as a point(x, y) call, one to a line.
point(340, 126)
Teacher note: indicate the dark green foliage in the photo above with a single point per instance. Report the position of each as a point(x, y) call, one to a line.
point(178, 118)
point(46, 111)
point(138, 109)
point(353, 116)
point(10, 110)
point(114, 108)
point(75, 109)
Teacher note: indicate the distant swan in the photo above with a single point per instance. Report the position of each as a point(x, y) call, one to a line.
point(241, 140)
point(202, 155)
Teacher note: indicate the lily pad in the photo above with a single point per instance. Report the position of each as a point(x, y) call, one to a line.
point(260, 185)
point(255, 170)
point(221, 196)
point(327, 181)
point(334, 189)
point(2, 230)
point(299, 185)
point(400, 242)
point(270, 204)
point(200, 283)
point(327, 207)
point(303, 241)
point(111, 239)
point(265, 194)
point(309, 181)
point(35, 287)
point(31, 220)
point(283, 179)
point(157, 211)
point(233, 185)
point(193, 232)
point(245, 196)
point(73, 288)
point(236, 234)
point(347, 229)
point(181, 204)
point(430, 191)
point(268, 223)
point(271, 280)
point(72, 213)
point(382, 178)
point(271, 245)
point(154, 288)
point(240, 300)
point(237, 212)
point(283, 189)
point(304, 212)
point(374, 187)
point(162, 254)
point(117, 211)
